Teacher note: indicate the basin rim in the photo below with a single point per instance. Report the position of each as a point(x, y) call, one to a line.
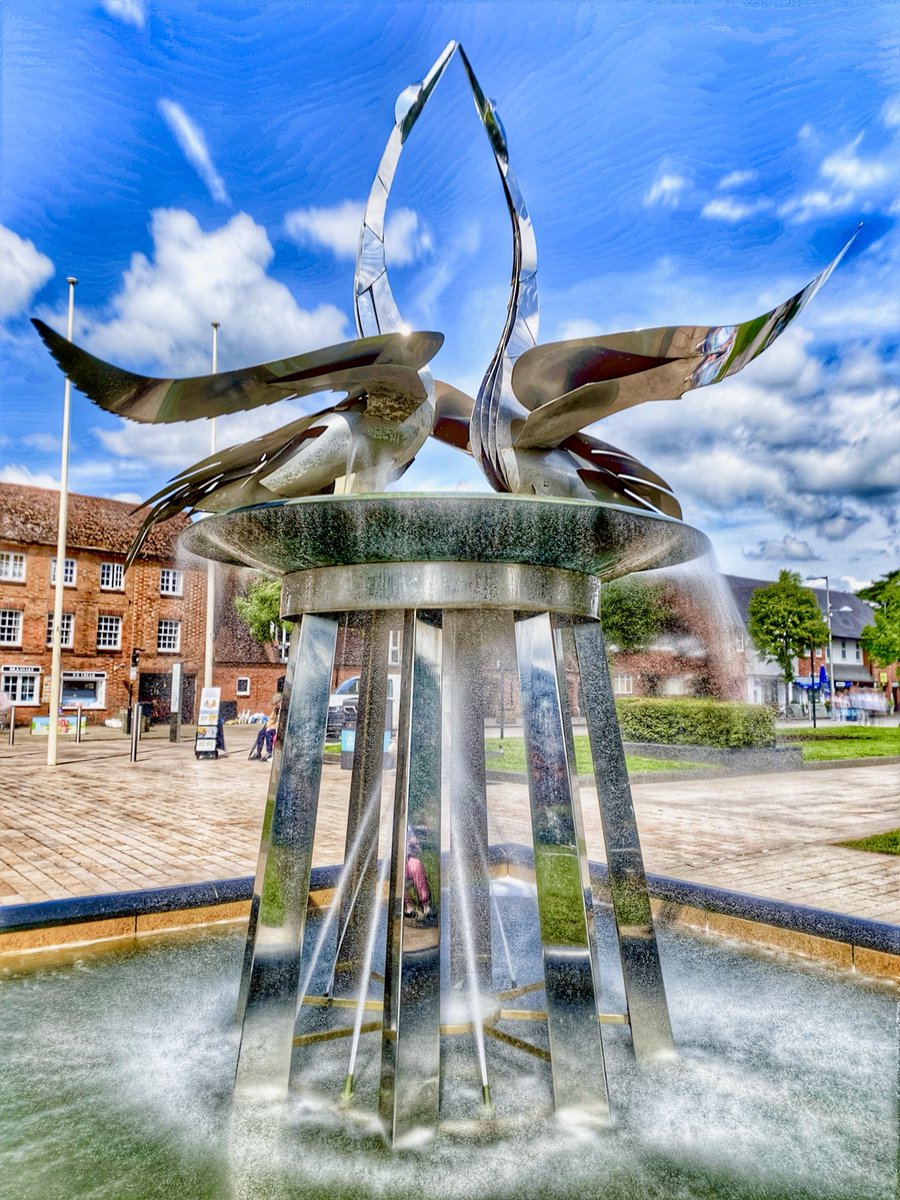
point(589, 537)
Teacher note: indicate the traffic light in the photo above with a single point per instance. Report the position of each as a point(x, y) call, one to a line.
point(135, 655)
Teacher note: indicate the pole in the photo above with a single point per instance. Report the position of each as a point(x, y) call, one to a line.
point(12, 725)
point(830, 650)
point(56, 654)
point(812, 681)
point(136, 714)
point(211, 566)
point(78, 710)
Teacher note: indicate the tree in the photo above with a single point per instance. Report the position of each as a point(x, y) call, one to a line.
point(260, 608)
point(786, 622)
point(633, 613)
point(881, 640)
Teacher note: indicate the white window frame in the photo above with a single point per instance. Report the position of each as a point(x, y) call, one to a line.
point(11, 687)
point(70, 572)
point(70, 701)
point(116, 571)
point(623, 684)
point(168, 626)
point(242, 687)
point(10, 560)
point(107, 617)
point(67, 640)
point(15, 624)
point(394, 648)
point(171, 582)
point(858, 649)
point(843, 650)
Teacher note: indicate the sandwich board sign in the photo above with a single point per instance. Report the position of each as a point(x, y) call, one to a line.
point(208, 722)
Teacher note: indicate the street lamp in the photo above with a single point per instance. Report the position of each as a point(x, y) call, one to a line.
point(828, 613)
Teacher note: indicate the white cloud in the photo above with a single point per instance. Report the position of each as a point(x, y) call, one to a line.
point(23, 271)
point(159, 321)
point(890, 115)
point(132, 12)
point(854, 584)
point(735, 179)
point(789, 549)
point(666, 190)
point(728, 209)
point(13, 473)
point(192, 143)
point(128, 498)
point(848, 170)
point(814, 204)
point(42, 441)
point(337, 228)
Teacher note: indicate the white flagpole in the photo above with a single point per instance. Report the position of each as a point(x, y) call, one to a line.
point(56, 658)
point(211, 566)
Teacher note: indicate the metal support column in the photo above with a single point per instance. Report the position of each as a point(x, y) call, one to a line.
point(411, 1044)
point(464, 784)
point(364, 808)
point(274, 780)
point(579, 1075)
point(644, 989)
point(264, 1059)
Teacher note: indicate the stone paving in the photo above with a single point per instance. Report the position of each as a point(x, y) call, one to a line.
point(97, 823)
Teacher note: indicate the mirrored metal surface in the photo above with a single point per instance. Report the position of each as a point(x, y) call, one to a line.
point(569, 385)
point(264, 1058)
point(271, 795)
point(464, 788)
point(411, 1045)
point(360, 896)
point(576, 1055)
point(644, 987)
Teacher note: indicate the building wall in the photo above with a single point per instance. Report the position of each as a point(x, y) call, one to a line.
point(98, 676)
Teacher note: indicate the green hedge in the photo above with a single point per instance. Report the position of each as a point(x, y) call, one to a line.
point(685, 722)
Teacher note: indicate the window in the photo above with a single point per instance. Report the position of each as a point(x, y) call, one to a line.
point(12, 567)
point(818, 653)
point(168, 637)
point(243, 685)
point(21, 687)
point(111, 577)
point(394, 648)
point(623, 685)
point(68, 572)
point(843, 650)
point(858, 652)
point(171, 582)
point(68, 630)
point(109, 633)
point(87, 688)
point(284, 648)
point(10, 627)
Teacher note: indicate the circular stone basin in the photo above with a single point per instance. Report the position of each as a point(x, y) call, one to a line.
point(603, 540)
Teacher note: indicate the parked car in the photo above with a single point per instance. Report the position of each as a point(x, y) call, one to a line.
point(346, 695)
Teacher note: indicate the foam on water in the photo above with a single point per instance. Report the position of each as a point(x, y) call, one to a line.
point(118, 1072)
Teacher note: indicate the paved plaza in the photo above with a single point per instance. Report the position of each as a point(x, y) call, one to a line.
point(97, 823)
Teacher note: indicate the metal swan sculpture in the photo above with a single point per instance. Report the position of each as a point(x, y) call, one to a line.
point(360, 444)
point(525, 426)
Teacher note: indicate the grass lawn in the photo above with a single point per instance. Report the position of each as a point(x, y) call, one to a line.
point(880, 843)
point(512, 757)
point(845, 741)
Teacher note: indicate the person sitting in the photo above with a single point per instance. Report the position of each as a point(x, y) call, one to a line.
point(265, 739)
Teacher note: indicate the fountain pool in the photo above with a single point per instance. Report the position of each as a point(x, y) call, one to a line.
point(119, 1067)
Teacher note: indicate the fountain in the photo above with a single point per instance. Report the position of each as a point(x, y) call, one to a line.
point(413, 948)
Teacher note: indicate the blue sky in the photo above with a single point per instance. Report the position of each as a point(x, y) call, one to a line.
point(683, 163)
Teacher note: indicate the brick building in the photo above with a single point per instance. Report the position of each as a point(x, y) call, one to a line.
point(157, 608)
point(247, 672)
